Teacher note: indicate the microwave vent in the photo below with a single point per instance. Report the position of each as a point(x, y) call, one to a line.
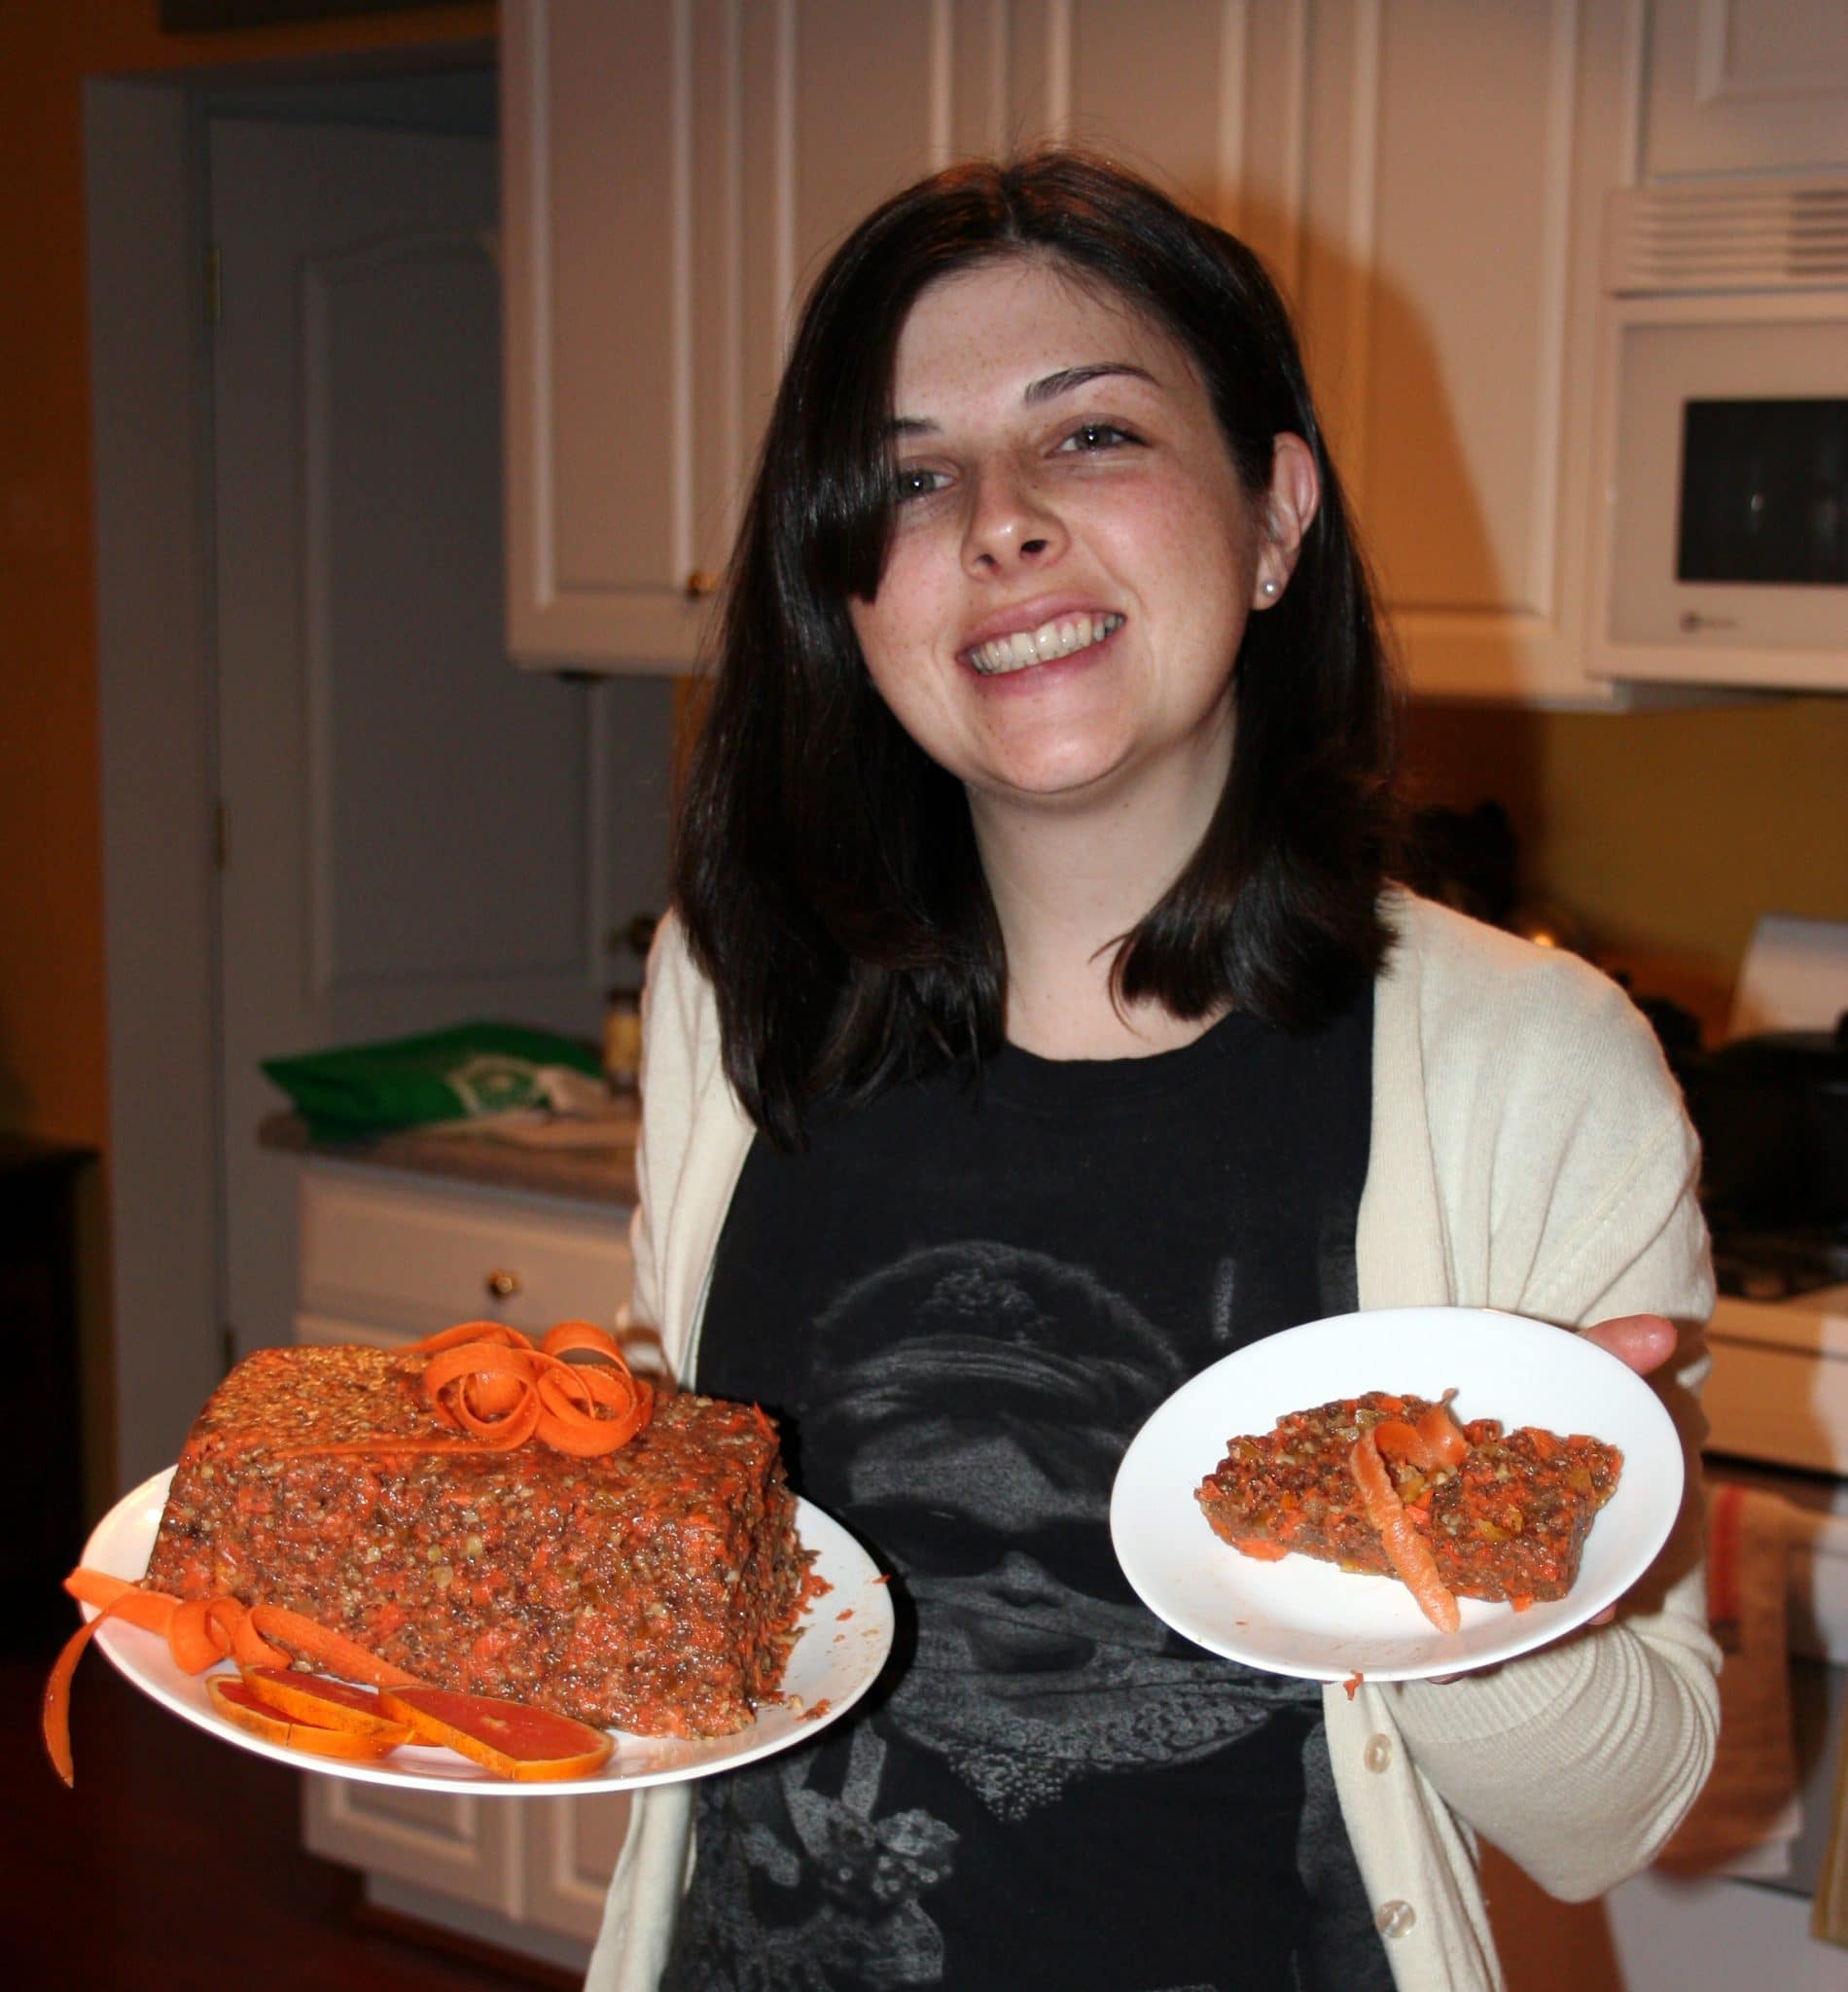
point(1727, 235)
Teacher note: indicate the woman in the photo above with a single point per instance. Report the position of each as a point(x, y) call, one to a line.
point(1037, 1026)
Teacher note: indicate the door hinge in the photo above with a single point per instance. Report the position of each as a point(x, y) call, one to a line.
point(220, 834)
point(214, 285)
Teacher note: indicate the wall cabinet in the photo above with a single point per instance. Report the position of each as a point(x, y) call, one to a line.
point(672, 174)
point(1426, 178)
point(1445, 273)
point(384, 1259)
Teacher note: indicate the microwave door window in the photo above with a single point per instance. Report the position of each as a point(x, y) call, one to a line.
point(1764, 493)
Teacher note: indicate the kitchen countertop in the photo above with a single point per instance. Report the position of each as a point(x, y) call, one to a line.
point(605, 1174)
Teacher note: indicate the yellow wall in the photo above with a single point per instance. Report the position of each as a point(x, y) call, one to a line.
point(52, 1077)
point(1667, 833)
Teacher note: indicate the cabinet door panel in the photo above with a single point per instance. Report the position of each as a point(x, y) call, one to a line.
point(1165, 103)
point(457, 1846)
point(1455, 449)
point(609, 127)
point(571, 1852)
point(1746, 86)
point(595, 123)
point(867, 117)
point(1448, 300)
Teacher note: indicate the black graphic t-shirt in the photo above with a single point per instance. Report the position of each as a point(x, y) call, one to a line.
point(960, 1303)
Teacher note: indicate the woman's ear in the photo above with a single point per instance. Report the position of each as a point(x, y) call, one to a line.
point(1289, 507)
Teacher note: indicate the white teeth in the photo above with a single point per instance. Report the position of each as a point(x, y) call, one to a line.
point(1058, 638)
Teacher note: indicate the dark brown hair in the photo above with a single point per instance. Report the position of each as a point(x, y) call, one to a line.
point(825, 868)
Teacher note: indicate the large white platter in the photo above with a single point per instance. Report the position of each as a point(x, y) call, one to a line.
point(844, 1637)
point(1302, 1616)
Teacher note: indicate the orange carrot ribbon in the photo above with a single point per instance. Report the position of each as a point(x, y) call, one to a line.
point(200, 1632)
point(489, 1381)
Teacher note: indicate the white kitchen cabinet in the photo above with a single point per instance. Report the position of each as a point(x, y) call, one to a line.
point(385, 1259)
point(1746, 86)
point(1426, 178)
point(672, 169)
point(1441, 245)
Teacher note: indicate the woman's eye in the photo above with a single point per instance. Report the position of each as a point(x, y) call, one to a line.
point(1096, 436)
point(910, 481)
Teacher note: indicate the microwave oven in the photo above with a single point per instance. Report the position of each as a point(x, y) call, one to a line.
point(1720, 552)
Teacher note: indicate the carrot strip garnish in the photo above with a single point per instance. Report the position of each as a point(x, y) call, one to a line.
point(502, 1391)
point(55, 1713)
point(95, 1586)
point(566, 1336)
point(200, 1632)
point(333, 1651)
point(151, 1611)
point(1445, 1440)
point(1435, 1441)
point(1398, 1439)
point(248, 1647)
point(471, 1331)
point(190, 1636)
point(1405, 1548)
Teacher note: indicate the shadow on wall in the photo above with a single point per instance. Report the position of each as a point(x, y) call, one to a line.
point(1544, 1944)
point(15, 1096)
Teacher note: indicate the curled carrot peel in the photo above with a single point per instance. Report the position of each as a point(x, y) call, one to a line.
point(1435, 1441)
point(54, 1711)
point(190, 1637)
point(97, 1588)
point(1407, 1550)
point(488, 1381)
point(331, 1650)
point(200, 1632)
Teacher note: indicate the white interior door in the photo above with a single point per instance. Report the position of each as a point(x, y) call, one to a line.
point(411, 837)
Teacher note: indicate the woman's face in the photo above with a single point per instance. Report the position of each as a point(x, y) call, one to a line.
point(1074, 557)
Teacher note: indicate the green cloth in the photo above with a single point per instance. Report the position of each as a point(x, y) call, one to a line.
point(476, 1068)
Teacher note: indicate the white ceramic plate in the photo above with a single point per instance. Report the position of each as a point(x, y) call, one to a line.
point(844, 1637)
point(1310, 1618)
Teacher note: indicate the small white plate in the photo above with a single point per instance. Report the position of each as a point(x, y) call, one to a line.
point(1306, 1618)
point(845, 1634)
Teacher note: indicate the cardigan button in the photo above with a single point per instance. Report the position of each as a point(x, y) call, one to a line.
point(1394, 1919)
point(1378, 1753)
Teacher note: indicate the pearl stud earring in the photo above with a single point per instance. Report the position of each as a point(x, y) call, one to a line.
point(1270, 587)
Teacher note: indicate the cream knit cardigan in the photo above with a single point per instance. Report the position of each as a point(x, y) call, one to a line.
point(1530, 1153)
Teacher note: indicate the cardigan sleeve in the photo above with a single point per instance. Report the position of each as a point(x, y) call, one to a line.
point(668, 1080)
point(1580, 1759)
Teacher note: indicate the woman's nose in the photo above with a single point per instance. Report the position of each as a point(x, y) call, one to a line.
point(1010, 523)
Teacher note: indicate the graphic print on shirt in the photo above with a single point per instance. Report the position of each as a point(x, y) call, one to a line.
point(967, 1407)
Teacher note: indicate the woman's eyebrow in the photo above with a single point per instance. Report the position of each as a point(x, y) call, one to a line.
point(1066, 378)
point(1047, 389)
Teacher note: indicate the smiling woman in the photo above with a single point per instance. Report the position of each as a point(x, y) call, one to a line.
point(1071, 564)
point(1035, 1026)
point(1015, 401)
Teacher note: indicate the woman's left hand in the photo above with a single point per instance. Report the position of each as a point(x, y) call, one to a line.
point(1642, 1342)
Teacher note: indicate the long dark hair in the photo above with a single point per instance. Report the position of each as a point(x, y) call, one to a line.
point(826, 869)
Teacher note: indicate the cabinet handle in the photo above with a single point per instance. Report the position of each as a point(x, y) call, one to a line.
point(502, 1285)
point(699, 584)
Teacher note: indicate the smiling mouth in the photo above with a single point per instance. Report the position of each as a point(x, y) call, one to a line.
point(1060, 637)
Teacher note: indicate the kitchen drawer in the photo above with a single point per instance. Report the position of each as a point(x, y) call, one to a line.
point(406, 1257)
